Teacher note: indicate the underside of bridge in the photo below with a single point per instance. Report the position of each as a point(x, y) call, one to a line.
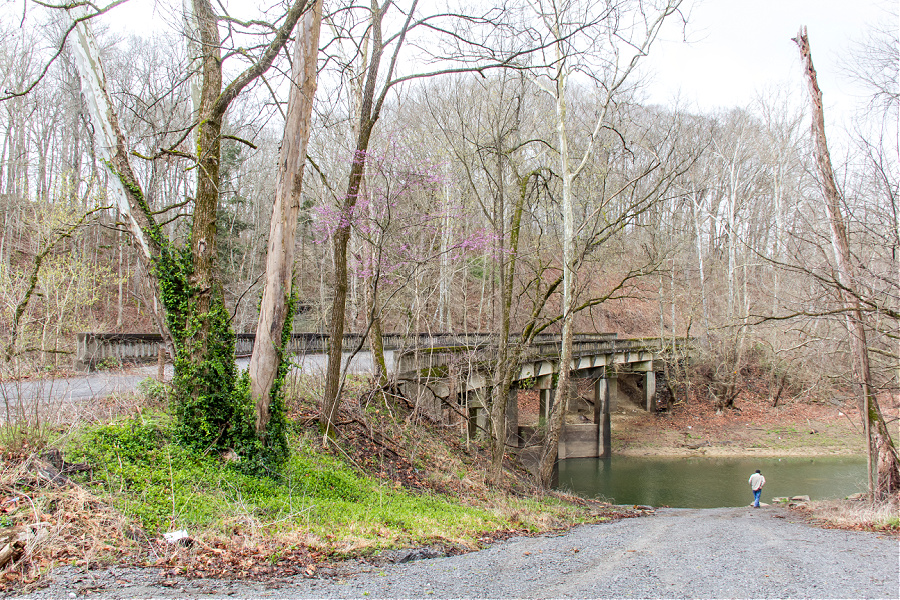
point(596, 393)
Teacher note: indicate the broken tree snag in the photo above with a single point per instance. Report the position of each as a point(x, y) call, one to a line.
point(879, 446)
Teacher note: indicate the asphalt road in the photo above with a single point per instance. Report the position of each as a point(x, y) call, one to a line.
point(23, 395)
point(676, 553)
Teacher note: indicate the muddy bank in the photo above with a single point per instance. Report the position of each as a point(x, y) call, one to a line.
point(753, 428)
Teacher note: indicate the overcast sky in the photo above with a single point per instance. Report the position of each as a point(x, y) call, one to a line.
point(739, 48)
point(735, 49)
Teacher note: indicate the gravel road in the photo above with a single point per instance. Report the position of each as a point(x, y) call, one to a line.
point(686, 553)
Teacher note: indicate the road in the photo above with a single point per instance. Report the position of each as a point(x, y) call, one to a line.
point(23, 395)
point(675, 553)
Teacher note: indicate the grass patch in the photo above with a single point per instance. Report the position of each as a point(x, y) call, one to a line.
point(165, 487)
point(857, 514)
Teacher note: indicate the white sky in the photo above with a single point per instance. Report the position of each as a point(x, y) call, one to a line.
point(739, 48)
point(735, 49)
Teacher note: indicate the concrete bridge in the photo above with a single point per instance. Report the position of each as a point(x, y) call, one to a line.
point(454, 383)
point(448, 375)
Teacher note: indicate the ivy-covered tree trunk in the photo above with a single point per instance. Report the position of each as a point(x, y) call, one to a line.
point(211, 406)
point(205, 373)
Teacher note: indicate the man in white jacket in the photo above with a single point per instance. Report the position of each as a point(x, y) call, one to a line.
point(757, 481)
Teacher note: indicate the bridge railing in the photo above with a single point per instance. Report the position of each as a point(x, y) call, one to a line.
point(439, 361)
point(92, 349)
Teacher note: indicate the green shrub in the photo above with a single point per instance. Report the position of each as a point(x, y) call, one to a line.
point(153, 391)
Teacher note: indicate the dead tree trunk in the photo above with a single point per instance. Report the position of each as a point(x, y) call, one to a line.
point(879, 445)
point(110, 144)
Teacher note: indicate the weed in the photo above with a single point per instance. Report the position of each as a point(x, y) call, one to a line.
point(165, 486)
point(111, 363)
point(153, 391)
point(857, 514)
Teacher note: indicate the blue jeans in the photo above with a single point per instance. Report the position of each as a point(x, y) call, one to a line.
point(756, 494)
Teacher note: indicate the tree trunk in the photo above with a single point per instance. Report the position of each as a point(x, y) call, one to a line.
point(110, 145)
point(560, 405)
point(341, 236)
point(507, 358)
point(277, 292)
point(204, 280)
point(880, 447)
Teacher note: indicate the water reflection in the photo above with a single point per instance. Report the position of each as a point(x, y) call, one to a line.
point(709, 482)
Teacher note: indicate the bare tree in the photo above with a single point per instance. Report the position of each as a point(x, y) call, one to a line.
point(577, 30)
point(884, 465)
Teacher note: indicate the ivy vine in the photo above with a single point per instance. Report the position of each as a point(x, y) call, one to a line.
point(211, 403)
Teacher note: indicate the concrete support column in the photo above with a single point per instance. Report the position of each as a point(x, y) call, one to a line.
point(650, 390)
point(512, 416)
point(478, 415)
point(471, 415)
point(482, 421)
point(546, 391)
point(603, 390)
point(610, 389)
point(546, 402)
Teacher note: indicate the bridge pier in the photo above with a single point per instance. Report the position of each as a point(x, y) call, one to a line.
point(512, 416)
point(594, 439)
point(547, 393)
point(606, 389)
point(650, 390)
point(649, 384)
point(477, 402)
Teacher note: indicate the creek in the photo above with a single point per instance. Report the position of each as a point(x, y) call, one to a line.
point(709, 482)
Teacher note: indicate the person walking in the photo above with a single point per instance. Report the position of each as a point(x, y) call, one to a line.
point(757, 481)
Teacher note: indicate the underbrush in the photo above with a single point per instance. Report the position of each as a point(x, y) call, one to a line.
point(392, 480)
point(857, 514)
point(166, 487)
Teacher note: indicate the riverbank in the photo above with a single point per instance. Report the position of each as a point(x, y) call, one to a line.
point(754, 428)
point(385, 455)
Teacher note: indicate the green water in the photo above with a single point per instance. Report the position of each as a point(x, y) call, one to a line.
point(709, 482)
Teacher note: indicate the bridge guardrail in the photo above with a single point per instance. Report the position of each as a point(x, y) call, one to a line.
point(438, 360)
point(92, 349)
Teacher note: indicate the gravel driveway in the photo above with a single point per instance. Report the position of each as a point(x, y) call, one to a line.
point(712, 553)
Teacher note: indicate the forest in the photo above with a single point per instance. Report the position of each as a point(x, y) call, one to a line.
point(396, 167)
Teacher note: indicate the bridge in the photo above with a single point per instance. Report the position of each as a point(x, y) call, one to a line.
point(450, 383)
point(448, 376)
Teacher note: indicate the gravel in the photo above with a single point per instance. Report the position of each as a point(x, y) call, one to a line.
point(711, 553)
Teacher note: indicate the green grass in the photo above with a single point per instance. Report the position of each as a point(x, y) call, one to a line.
point(165, 487)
